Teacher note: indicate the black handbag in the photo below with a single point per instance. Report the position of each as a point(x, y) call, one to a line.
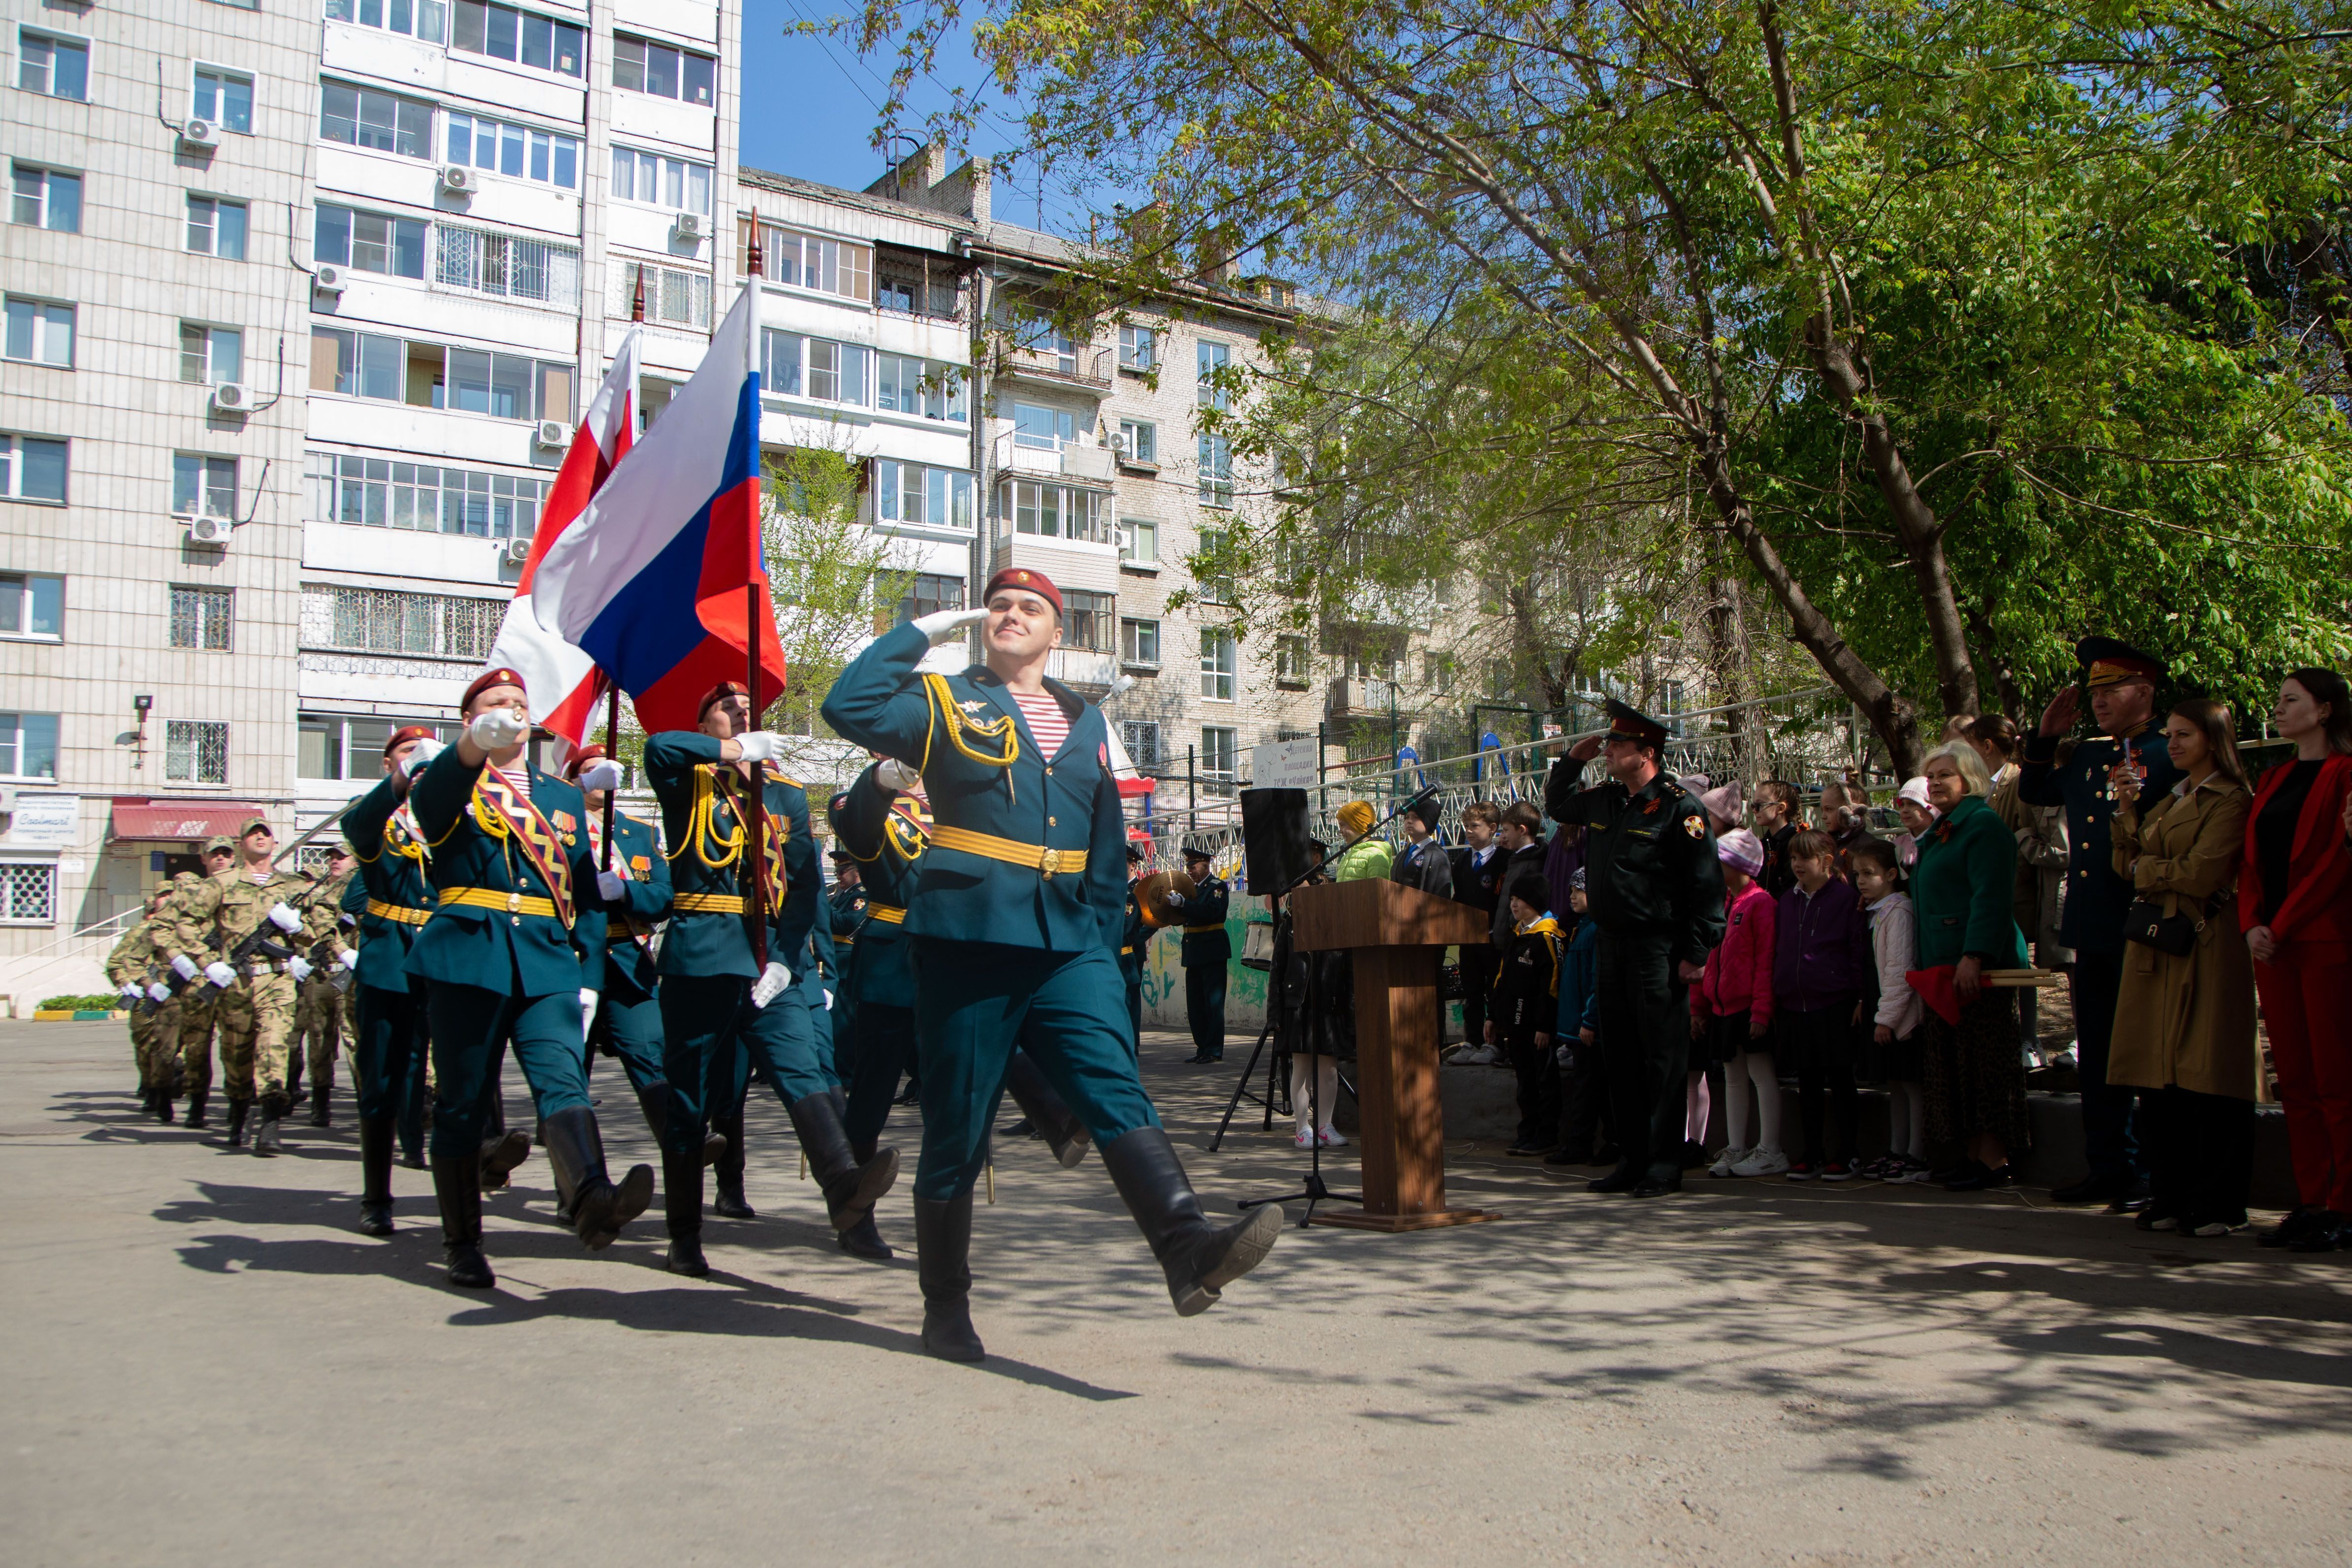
point(2146, 924)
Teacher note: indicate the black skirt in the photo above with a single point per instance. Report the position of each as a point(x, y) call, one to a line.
point(1726, 1037)
point(1813, 1041)
point(1898, 1061)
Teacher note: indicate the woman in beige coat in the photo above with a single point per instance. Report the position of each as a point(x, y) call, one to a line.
point(2185, 1026)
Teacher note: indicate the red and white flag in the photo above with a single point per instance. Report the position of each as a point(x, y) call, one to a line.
point(564, 685)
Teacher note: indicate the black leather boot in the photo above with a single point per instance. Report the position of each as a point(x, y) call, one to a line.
point(727, 1169)
point(502, 1154)
point(458, 1188)
point(682, 1209)
point(1199, 1258)
point(163, 1106)
point(375, 1176)
point(864, 1239)
point(294, 1073)
point(195, 1108)
point(238, 1109)
point(1051, 1119)
point(943, 1268)
point(598, 1206)
point(323, 1095)
point(850, 1187)
point(267, 1142)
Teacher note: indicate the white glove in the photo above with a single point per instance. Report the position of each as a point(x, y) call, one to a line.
point(771, 983)
point(426, 750)
point(609, 886)
point(496, 729)
point(220, 974)
point(159, 992)
point(760, 745)
point(133, 990)
point(588, 1000)
point(299, 968)
point(185, 967)
point(828, 999)
point(942, 625)
point(285, 919)
point(349, 958)
point(893, 775)
point(602, 774)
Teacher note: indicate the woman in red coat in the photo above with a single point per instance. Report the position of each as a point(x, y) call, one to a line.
point(2294, 902)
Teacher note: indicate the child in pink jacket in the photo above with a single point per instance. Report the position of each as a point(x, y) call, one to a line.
point(1731, 1012)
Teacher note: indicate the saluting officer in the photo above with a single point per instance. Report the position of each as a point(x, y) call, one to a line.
point(1657, 897)
point(742, 911)
point(511, 870)
point(1016, 925)
point(1206, 950)
point(393, 899)
point(2122, 683)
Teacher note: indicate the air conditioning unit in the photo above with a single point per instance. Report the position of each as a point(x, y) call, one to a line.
point(687, 225)
point(554, 433)
point(231, 398)
point(200, 134)
point(457, 177)
point(517, 552)
point(209, 530)
point(328, 279)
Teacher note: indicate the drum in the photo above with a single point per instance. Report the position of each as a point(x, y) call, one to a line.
point(1257, 945)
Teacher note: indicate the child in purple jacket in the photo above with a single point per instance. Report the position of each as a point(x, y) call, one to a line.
point(1821, 969)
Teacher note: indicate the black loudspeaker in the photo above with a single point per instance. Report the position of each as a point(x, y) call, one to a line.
point(1274, 838)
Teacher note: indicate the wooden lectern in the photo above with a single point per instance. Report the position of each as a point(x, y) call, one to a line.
point(1395, 934)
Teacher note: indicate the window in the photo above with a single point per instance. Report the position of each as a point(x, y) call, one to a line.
point(1089, 621)
point(1218, 747)
point(195, 752)
point(816, 367)
point(333, 746)
point(428, 375)
point(369, 242)
point(201, 486)
point(211, 355)
point(53, 66)
point(1437, 673)
point(917, 292)
point(423, 20)
point(504, 33)
point(1138, 541)
point(1210, 574)
point(1213, 360)
point(223, 98)
point(911, 493)
point(28, 745)
point(505, 266)
point(1056, 511)
point(1290, 660)
point(46, 198)
point(378, 120)
point(1141, 738)
point(641, 65)
point(1140, 441)
point(516, 151)
point(1139, 643)
point(1044, 429)
point(1218, 655)
point(32, 608)
point(671, 295)
point(216, 227)
point(32, 468)
point(41, 331)
point(809, 260)
point(377, 620)
point(661, 181)
point(200, 619)
point(28, 891)
point(376, 492)
point(1139, 349)
point(926, 593)
point(1216, 471)
point(360, 365)
point(906, 385)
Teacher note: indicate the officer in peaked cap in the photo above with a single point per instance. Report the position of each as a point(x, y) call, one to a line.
point(1206, 951)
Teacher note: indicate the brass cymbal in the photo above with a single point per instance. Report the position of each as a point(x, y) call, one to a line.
point(1151, 896)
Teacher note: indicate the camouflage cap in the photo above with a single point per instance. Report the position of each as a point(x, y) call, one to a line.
point(220, 842)
point(257, 823)
point(185, 878)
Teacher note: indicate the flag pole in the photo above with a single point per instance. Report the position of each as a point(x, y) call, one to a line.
point(757, 904)
point(612, 754)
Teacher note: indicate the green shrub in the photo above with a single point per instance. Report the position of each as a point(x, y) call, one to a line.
point(105, 999)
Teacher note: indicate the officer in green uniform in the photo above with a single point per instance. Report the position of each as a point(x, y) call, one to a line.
point(1206, 951)
point(2121, 681)
point(745, 903)
point(844, 904)
point(1015, 925)
point(511, 868)
point(1135, 934)
point(1657, 897)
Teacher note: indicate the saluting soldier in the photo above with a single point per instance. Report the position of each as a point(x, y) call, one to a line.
point(1657, 897)
point(320, 974)
point(2122, 683)
point(511, 869)
point(134, 965)
point(199, 1003)
point(1206, 950)
point(1016, 926)
point(390, 898)
point(743, 910)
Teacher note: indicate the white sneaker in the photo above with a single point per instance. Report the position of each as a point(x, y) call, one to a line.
point(1305, 1139)
point(1478, 1056)
point(1725, 1162)
point(1762, 1162)
point(1330, 1138)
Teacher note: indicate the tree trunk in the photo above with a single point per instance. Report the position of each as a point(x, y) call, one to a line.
point(1726, 641)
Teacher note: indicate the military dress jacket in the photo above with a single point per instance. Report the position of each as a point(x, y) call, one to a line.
point(1135, 934)
point(1649, 868)
point(609, 944)
point(395, 896)
point(711, 860)
point(998, 805)
point(2096, 897)
point(1206, 941)
point(504, 908)
point(887, 836)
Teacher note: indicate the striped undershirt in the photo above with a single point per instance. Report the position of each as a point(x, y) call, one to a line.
point(1048, 725)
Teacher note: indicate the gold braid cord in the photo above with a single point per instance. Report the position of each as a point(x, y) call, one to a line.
point(1000, 734)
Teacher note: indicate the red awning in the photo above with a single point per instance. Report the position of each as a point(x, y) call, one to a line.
point(1131, 788)
point(182, 819)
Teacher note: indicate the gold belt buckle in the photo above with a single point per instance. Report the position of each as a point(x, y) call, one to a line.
point(514, 903)
point(1048, 862)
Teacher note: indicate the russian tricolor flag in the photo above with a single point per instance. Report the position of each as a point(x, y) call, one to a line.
point(658, 577)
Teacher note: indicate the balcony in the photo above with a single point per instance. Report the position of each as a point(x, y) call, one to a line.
point(1086, 367)
point(1097, 466)
point(1352, 696)
point(1084, 671)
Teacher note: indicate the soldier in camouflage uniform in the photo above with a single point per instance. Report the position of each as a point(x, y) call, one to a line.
point(319, 1001)
point(133, 966)
point(196, 1005)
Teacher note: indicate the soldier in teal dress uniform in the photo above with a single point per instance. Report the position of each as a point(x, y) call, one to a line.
point(1207, 950)
point(1015, 922)
point(510, 870)
point(1135, 935)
